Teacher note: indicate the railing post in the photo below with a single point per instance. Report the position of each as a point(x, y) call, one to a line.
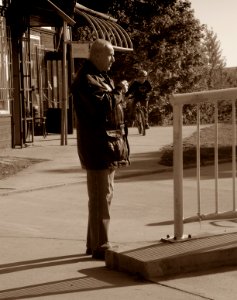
point(216, 160)
point(234, 150)
point(198, 161)
point(64, 90)
point(178, 170)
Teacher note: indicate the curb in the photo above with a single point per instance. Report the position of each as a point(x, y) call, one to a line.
point(172, 259)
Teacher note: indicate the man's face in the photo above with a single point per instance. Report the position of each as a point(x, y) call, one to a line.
point(142, 79)
point(105, 58)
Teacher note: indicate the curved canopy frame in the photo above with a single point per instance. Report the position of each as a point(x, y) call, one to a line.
point(105, 27)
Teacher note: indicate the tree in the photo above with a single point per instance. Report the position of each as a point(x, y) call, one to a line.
point(215, 63)
point(167, 42)
point(166, 39)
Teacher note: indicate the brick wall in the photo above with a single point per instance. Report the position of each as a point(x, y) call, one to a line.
point(5, 132)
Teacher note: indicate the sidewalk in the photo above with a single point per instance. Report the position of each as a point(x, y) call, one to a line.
point(43, 222)
point(53, 161)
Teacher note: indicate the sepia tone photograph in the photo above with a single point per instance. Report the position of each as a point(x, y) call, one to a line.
point(118, 149)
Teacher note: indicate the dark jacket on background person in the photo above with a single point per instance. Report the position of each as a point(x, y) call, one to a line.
point(139, 91)
point(98, 108)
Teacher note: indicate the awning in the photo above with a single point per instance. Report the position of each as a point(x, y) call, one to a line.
point(105, 27)
point(60, 13)
point(37, 13)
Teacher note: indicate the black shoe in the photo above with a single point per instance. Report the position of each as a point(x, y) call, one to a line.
point(98, 254)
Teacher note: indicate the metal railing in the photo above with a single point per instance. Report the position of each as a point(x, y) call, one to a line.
point(178, 101)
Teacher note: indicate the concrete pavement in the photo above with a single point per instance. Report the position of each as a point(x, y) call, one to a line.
point(43, 225)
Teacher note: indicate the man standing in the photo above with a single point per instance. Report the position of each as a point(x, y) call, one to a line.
point(98, 110)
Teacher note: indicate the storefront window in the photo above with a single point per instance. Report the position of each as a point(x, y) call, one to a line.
point(6, 87)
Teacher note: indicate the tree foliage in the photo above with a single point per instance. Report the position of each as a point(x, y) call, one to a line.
point(213, 55)
point(166, 39)
point(167, 43)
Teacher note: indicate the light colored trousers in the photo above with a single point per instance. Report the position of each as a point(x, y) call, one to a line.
point(100, 185)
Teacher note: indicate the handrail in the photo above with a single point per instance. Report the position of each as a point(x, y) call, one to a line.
point(178, 100)
point(204, 96)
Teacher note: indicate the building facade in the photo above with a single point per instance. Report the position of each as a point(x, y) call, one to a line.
point(29, 83)
point(37, 63)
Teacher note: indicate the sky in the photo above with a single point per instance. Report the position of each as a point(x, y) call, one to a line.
point(221, 17)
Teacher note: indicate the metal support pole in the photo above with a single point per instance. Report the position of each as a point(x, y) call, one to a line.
point(216, 160)
point(65, 90)
point(234, 150)
point(198, 161)
point(178, 171)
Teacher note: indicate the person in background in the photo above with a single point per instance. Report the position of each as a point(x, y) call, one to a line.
point(138, 92)
point(98, 110)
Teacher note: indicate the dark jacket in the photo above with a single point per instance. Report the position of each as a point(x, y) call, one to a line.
point(139, 91)
point(94, 106)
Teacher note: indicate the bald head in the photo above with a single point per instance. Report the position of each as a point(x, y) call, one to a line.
point(102, 54)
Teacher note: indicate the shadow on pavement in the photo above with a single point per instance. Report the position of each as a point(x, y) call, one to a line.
point(95, 279)
point(72, 170)
point(143, 164)
point(41, 263)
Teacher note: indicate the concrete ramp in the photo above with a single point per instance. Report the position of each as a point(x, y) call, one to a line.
point(168, 259)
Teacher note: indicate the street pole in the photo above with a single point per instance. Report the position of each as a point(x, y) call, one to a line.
point(64, 88)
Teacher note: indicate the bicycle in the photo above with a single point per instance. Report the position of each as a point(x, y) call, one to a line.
point(134, 115)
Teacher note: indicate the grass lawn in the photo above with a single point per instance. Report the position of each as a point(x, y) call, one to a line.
point(207, 136)
point(12, 165)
